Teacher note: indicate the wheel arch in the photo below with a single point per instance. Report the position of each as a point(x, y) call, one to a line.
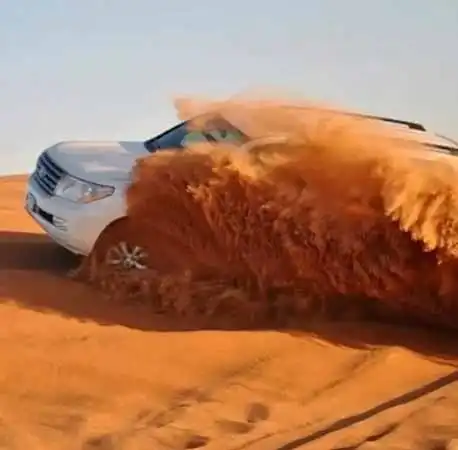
point(114, 224)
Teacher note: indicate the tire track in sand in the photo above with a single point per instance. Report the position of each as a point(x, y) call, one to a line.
point(292, 440)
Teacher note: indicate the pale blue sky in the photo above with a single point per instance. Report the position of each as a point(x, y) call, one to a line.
point(109, 69)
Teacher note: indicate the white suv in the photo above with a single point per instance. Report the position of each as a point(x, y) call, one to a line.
point(77, 191)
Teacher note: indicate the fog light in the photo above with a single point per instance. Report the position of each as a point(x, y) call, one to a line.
point(59, 223)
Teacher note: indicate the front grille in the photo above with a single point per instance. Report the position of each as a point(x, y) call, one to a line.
point(47, 174)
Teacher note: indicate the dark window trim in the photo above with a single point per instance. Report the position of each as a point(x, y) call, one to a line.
point(149, 144)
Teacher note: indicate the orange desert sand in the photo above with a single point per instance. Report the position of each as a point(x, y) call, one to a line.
point(79, 372)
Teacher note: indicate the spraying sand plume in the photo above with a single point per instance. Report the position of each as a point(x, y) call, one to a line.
point(322, 214)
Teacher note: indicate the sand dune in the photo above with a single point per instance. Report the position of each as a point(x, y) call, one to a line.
point(79, 371)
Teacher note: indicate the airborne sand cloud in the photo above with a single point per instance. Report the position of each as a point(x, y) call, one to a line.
point(341, 218)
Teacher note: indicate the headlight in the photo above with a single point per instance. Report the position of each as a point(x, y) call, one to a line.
point(80, 191)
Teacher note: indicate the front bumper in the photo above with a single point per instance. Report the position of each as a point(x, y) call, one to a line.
point(72, 225)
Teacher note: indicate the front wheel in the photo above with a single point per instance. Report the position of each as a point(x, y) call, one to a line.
point(119, 247)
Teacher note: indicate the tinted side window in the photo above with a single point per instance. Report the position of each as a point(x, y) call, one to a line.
point(182, 136)
point(213, 135)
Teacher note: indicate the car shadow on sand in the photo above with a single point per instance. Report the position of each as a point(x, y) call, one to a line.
point(34, 275)
point(33, 251)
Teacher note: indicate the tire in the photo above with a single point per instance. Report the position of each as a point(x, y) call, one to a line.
point(120, 247)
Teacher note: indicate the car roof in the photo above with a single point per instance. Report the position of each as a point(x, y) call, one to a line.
point(410, 130)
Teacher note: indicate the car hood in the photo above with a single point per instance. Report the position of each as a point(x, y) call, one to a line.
point(97, 161)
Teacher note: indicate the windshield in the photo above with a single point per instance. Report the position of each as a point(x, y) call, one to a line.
point(183, 135)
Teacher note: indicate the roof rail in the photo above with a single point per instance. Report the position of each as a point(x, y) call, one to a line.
point(412, 125)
